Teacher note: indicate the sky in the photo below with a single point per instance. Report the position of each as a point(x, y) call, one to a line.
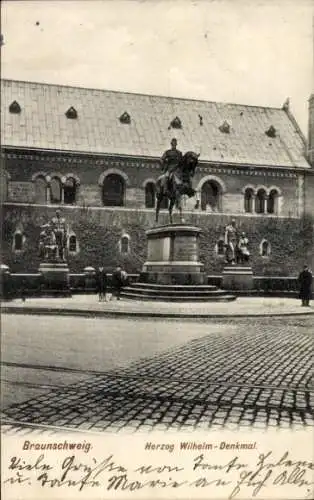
point(256, 52)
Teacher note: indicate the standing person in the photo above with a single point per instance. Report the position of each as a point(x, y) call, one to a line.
point(117, 282)
point(23, 290)
point(230, 242)
point(305, 283)
point(102, 284)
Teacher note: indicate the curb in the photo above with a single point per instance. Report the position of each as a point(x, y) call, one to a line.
point(48, 311)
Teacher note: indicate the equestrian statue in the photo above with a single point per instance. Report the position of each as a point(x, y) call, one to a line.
point(176, 180)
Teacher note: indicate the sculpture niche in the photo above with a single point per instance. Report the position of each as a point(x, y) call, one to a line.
point(52, 250)
point(176, 180)
point(236, 248)
point(52, 239)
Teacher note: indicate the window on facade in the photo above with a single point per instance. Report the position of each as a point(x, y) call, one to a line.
point(69, 189)
point(124, 244)
point(40, 190)
point(72, 243)
point(260, 201)
point(211, 196)
point(55, 190)
point(272, 202)
point(113, 191)
point(248, 200)
point(18, 242)
point(265, 248)
point(220, 247)
point(150, 195)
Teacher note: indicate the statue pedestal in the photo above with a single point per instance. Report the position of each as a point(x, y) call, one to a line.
point(237, 278)
point(173, 256)
point(55, 278)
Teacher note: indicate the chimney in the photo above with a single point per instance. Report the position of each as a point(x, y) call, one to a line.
point(311, 131)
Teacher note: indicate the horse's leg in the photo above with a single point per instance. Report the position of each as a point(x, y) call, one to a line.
point(158, 203)
point(171, 205)
point(179, 205)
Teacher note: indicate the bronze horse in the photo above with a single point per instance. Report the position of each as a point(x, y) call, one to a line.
point(179, 184)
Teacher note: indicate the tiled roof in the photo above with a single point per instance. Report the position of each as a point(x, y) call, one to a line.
point(42, 124)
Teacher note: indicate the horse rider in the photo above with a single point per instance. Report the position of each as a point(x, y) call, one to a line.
point(170, 161)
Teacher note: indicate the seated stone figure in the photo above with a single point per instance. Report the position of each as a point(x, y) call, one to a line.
point(243, 253)
point(47, 243)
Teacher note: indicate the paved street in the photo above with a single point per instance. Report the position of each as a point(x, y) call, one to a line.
point(122, 375)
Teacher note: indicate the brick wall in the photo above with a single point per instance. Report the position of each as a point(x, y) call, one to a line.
point(99, 230)
point(21, 189)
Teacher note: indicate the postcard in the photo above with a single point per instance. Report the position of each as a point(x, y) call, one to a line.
point(157, 186)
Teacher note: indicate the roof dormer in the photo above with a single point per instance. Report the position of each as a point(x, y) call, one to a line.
point(225, 127)
point(15, 107)
point(176, 123)
point(271, 132)
point(125, 118)
point(71, 113)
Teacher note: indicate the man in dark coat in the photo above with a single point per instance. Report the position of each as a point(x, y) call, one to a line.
point(119, 280)
point(305, 282)
point(101, 284)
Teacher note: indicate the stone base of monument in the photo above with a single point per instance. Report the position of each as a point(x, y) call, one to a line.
point(173, 270)
point(237, 278)
point(55, 279)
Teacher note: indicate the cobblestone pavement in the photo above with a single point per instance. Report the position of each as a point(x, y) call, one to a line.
point(253, 376)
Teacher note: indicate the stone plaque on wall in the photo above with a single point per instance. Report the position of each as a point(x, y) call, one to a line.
point(21, 192)
point(185, 249)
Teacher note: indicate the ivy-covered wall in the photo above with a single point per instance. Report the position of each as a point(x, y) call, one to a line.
point(98, 232)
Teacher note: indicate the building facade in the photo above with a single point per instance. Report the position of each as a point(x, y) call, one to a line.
point(96, 155)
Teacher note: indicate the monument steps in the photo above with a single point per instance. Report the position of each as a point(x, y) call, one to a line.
point(177, 288)
point(164, 297)
point(175, 293)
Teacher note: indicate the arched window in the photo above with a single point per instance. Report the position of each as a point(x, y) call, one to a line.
point(40, 190)
point(150, 195)
point(69, 190)
point(265, 248)
point(220, 247)
point(211, 196)
point(72, 243)
point(125, 244)
point(260, 201)
point(55, 190)
point(248, 200)
point(18, 241)
point(272, 202)
point(113, 191)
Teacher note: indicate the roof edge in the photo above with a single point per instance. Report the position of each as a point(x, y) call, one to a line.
point(151, 158)
point(141, 94)
point(296, 125)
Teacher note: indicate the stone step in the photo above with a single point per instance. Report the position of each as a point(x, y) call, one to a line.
point(171, 292)
point(177, 298)
point(191, 288)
